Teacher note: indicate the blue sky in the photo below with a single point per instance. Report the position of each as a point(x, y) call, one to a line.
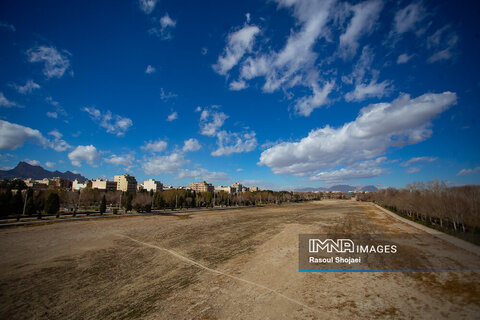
point(278, 94)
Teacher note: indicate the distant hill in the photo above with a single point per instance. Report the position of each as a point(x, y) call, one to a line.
point(24, 170)
point(339, 187)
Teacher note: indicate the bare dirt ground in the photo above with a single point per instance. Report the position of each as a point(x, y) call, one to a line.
point(232, 264)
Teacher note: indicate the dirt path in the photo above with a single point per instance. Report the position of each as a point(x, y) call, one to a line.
point(233, 264)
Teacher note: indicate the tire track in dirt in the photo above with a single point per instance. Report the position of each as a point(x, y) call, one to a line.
point(195, 263)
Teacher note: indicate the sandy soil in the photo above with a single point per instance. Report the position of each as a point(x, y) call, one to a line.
point(232, 264)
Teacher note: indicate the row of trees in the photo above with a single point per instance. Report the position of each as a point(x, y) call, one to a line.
point(451, 208)
point(16, 198)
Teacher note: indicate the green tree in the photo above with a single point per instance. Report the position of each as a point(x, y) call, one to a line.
point(52, 204)
point(128, 204)
point(103, 205)
point(30, 208)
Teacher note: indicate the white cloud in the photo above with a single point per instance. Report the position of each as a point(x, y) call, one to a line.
point(378, 127)
point(50, 164)
point(33, 162)
point(163, 164)
point(88, 154)
point(211, 121)
point(444, 42)
point(125, 160)
point(418, 159)
point(4, 102)
point(165, 28)
point(239, 170)
point(155, 146)
point(147, 6)
point(172, 116)
point(202, 174)
point(238, 43)
point(7, 26)
point(56, 134)
point(404, 58)
point(232, 142)
point(29, 86)
point(305, 106)
point(238, 85)
point(58, 144)
point(53, 115)
point(407, 19)
point(13, 136)
point(465, 172)
point(55, 63)
point(150, 69)
point(363, 91)
point(191, 145)
point(365, 169)
point(204, 51)
point(413, 170)
point(365, 15)
point(114, 124)
point(52, 102)
point(167, 95)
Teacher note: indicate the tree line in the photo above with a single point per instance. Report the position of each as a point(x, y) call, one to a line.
point(16, 199)
point(453, 209)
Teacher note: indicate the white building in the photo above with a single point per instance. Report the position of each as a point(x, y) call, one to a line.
point(126, 182)
point(151, 184)
point(226, 189)
point(76, 185)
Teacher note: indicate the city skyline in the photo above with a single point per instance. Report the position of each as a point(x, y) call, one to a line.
point(276, 94)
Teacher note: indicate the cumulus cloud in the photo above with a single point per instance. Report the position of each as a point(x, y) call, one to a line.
point(238, 85)
point(52, 115)
point(126, 160)
point(29, 86)
point(55, 63)
point(365, 79)
point(365, 15)
point(150, 69)
point(163, 164)
point(172, 116)
point(304, 106)
point(363, 91)
point(202, 174)
point(191, 145)
point(33, 162)
point(210, 121)
point(13, 136)
point(147, 6)
point(164, 30)
point(50, 164)
point(365, 169)
point(88, 154)
point(238, 43)
point(408, 19)
point(404, 58)
point(233, 142)
point(418, 159)
point(155, 146)
point(465, 172)
point(378, 127)
point(113, 123)
point(4, 102)
point(58, 144)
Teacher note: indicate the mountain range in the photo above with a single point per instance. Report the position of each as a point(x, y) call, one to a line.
point(24, 170)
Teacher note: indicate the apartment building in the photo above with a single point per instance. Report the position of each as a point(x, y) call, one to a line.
point(238, 187)
point(226, 189)
point(126, 182)
point(104, 185)
point(202, 186)
point(151, 184)
point(253, 189)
